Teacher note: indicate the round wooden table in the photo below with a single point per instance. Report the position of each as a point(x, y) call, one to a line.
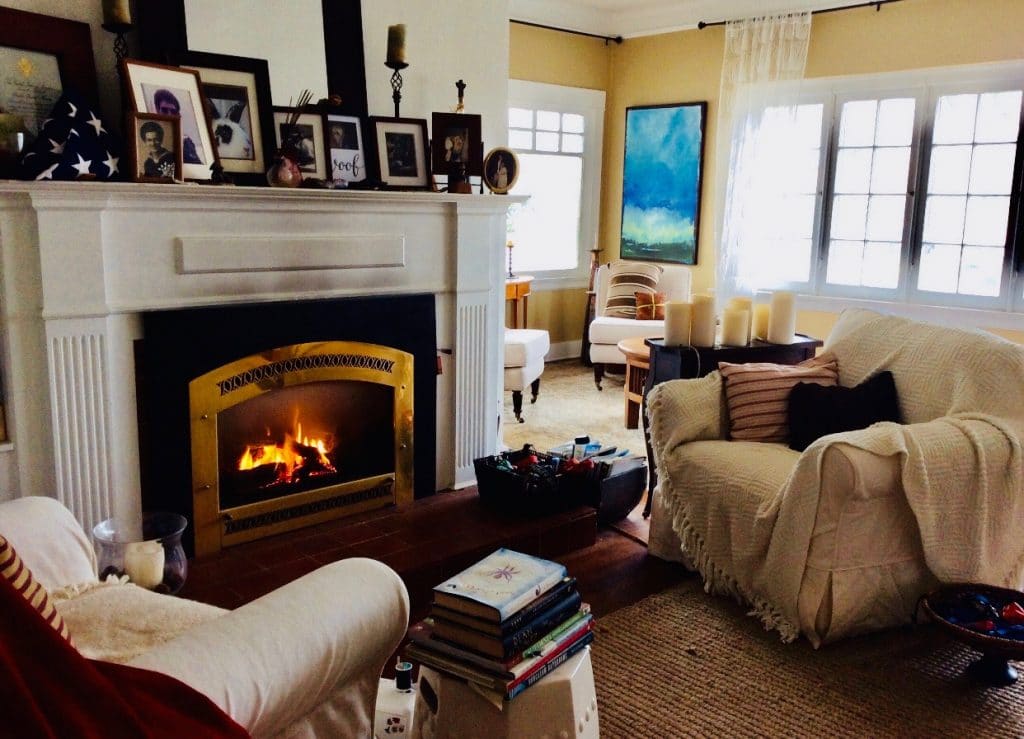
point(638, 362)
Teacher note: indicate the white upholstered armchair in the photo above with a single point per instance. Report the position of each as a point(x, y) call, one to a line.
point(302, 661)
point(606, 330)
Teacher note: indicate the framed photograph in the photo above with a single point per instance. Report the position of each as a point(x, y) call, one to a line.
point(305, 137)
point(154, 147)
point(156, 88)
point(400, 145)
point(457, 142)
point(501, 170)
point(345, 148)
point(40, 56)
point(237, 94)
point(661, 182)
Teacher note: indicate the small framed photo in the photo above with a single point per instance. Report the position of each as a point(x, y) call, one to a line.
point(237, 94)
point(401, 152)
point(155, 148)
point(345, 148)
point(155, 88)
point(456, 143)
point(305, 138)
point(501, 170)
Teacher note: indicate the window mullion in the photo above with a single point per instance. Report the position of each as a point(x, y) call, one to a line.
point(826, 191)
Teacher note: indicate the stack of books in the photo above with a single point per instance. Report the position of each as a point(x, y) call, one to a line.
point(503, 623)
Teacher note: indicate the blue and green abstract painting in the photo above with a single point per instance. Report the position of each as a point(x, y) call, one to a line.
point(661, 182)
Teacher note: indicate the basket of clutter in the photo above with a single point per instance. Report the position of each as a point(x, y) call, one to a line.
point(524, 482)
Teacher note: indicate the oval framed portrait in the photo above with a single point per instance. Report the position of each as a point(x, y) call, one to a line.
point(501, 170)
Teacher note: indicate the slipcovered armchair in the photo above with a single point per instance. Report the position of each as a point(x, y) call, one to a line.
point(844, 537)
point(614, 285)
point(302, 661)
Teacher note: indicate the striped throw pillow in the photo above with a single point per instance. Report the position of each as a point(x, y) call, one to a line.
point(757, 394)
point(625, 280)
point(14, 571)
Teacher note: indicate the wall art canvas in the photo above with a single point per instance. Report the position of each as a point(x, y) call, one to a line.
point(661, 182)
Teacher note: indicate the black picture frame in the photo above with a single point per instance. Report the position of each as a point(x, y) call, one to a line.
point(412, 132)
point(162, 34)
point(309, 130)
point(673, 135)
point(449, 129)
point(226, 69)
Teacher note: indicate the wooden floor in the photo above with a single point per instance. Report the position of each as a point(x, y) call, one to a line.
point(433, 539)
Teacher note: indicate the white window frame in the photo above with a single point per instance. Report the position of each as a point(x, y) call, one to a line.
point(590, 104)
point(927, 85)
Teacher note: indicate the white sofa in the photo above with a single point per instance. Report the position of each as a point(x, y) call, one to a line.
point(302, 661)
point(605, 332)
point(843, 538)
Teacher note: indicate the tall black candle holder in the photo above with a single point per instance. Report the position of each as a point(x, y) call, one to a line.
point(120, 30)
point(396, 83)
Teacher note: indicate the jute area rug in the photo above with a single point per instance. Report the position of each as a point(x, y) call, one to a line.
point(686, 664)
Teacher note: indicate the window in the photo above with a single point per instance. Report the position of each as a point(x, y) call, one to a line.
point(914, 198)
point(557, 133)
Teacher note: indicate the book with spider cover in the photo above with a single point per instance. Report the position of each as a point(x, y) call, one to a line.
point(499, 585)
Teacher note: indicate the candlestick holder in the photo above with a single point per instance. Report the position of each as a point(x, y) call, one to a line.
point(509, 245)
point(120, 42)
point(396, 82)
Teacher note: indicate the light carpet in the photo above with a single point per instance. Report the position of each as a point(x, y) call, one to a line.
point(683, 663)
point(570, 405)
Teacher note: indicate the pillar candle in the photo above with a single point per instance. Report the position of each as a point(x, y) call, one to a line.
point(735, 327)
point(782, 318)
point(144, 563)
point(760, 321)
point(702, 326)
point(678, 314)
point(116, 12)
point(746, 304)
point(396, 44)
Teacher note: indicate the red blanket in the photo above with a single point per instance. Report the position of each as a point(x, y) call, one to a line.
point(48, 689)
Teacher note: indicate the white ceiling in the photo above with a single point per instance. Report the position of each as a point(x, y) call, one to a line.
point(641, 17)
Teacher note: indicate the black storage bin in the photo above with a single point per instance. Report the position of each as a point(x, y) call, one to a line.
point(534, 492)
point(614, 497)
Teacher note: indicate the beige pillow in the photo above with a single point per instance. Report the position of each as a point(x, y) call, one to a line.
point(757, 394)
point(20, 576)
point(625, 280)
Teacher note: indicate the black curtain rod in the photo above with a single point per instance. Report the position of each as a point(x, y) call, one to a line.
point(606, 39)
point(877, 5)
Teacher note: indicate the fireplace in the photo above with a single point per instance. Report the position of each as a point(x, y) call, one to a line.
point(87, 268)
point(263, 418)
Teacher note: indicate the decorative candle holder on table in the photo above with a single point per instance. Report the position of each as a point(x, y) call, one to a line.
point(153, 559)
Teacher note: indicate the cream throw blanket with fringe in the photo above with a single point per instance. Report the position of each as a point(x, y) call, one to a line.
point(959, 455)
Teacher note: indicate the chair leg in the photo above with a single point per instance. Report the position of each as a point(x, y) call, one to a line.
point(598, 373)
point(534, 390)
point(517, 404)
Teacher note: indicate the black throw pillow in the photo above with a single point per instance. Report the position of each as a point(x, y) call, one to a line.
point(816, 410)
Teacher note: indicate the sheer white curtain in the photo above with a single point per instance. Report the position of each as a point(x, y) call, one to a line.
point(762, 133)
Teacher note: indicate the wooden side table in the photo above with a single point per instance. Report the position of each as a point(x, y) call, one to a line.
point(516, 289)
point(638, 361)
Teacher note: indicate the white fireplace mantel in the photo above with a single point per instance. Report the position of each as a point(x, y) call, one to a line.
point(82, 261)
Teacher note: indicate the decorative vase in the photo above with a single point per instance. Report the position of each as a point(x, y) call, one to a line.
point(284, 172)
point(154, 559)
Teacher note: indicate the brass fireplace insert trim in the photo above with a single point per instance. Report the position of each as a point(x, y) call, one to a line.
point(290, 366)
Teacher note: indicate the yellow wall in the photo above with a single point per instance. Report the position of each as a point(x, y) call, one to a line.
point(540, 55)
point(686, 66)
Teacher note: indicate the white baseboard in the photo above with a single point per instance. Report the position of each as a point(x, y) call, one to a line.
point(564, 350)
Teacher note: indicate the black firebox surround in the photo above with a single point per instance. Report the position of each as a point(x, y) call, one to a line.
point(179, 345)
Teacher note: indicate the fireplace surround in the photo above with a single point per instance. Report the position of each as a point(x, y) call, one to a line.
point(83, 264)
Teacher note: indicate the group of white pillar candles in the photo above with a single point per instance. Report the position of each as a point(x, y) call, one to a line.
point(696, 323)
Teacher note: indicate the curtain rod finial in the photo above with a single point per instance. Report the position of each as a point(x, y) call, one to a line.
point(701, 26)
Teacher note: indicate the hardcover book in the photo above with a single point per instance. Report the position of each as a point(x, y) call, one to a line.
point(517, 620)
point(506, 647)
point(499, 585)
